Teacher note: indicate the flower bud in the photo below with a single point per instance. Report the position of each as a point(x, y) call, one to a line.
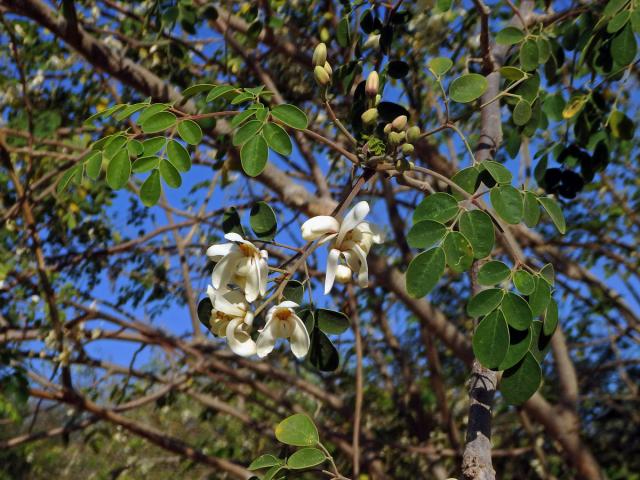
point(327, 68)
point(387, 128)
point(319, 55)
point(395, 138)
point(321, 75)
point(343, 274)
point(413, 134)
point(373, 82)
point(399, 122)
point(373, 41)
point(370, 116)
point(378, 98)
point(407, 149)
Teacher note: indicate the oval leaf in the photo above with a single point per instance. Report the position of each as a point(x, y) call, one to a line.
point(458, 252)
point(468, 88)
point(305, 458)
point(555, 212)
point(277, 138)
point(426, 234)
point(170, 174)
point(424, 272)
point(262, 220)
point(516, 311)
point(159, 122)
point(484, 302)
point(190, 132)
point(493, 273)
point(508, 203)
point(521, 381)
point(254, 155)
point(331, 321)
point(297, 430)
point(178, 156)
point(439, 207)
point(491, 340)
point(477, 227)
point(151, 189)
point(119, 170)
point(290, 115)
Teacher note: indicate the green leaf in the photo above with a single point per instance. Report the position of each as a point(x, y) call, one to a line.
point(477, 227)
point(551, 318)
point(93, 165)
point(531, 212)
point(196, 89)
point(519, 343)
point(135, 148)
point(521, 381)
point(516, 311)
point(265, 461)
point(544, 50)
point(493, 273)
point(439, 207)
point(539, 299)
point(294, 291)
point(509, 36)
point(114, 145)
point(468, 179)
point(254, 155)
point(204, 312)
point(153, 145)
point(613, 6)
point(262, 220)
point(443, 5)
point(426, 234)
point(119, 170)
point(297, 430)
point(491, 340)
point(555, 212)
point(73, 174)
point(306, 458)
point(424, 272)
point(548, 274)
point(231, 222)
point(151, 189)
point(190, 132)
point(159, 122)
point(540, 342)
point(529, 55)
point(331, 321)
point(272, 472)
point(178, 156)
point(512, 73)
point(144, 164)
point(468, 88)
point(524, 282)
point(440, 65)
point(343, 34)
point(150, 111)
point(498, 172)
point(322, 354)
point(219, 91)
point(242, 117)
point(624, 46)
point(458, 252)
point(130, 110)
point(484, 302)
point(170, 174)
point(246, 132)
point(290, 115)
point(242, 98)
point(278, 139)
point(508, 203)
point(521, 113)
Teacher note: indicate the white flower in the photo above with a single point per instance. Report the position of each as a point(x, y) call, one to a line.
point(231, 318)
point(282, 322)
point(352, 240)
point(242, 263)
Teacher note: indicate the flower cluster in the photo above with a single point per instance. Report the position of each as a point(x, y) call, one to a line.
point(240, 277)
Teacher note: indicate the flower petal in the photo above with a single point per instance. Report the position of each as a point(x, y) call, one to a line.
point(252, 287)
point(266, 340)
point(287, 304)
point(230, 303)
point(352, 219)
point(216, 252)
point(239, 341)
point(300, 341)
point(363, 272)
point(234, 237)
point(263, 276)
point(316, 227)
point(332, 265)
point(225, 269)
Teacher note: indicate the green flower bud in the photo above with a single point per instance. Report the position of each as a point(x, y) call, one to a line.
point(399, 122)
point(407, 149)
point(395, 138)
point(327, 68)
point(320, 55)
point(378, 98)
point(387, 128)
point(413, 134)
point(321, 75)
point(370, 116)
point(373, 41)
point(372, 85)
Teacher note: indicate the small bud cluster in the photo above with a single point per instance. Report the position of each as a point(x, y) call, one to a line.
point(372, 85)
point(322, 70)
